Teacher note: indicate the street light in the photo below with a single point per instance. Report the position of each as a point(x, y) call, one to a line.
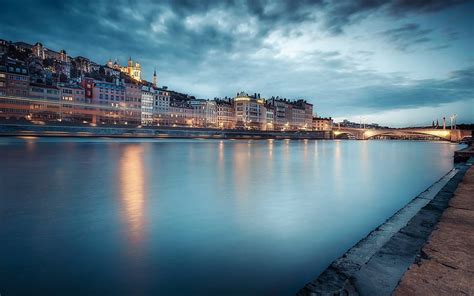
point(453, 121)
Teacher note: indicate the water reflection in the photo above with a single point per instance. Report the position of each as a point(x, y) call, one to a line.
point(270, 149)
point(132, 191)
point(143, 217)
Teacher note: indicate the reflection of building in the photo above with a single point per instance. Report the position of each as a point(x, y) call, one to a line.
point(250, 112)
point(322, 124)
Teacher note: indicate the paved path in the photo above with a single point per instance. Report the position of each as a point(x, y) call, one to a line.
point(446, 266)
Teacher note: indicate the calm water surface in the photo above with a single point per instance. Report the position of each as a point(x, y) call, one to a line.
point(202, 217)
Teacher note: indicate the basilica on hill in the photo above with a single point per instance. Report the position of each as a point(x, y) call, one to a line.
point(133, 69)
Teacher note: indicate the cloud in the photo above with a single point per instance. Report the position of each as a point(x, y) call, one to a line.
point(295, 49)
point(396, 93)
point(407, 36)
point(402, 7)
point(344, 13)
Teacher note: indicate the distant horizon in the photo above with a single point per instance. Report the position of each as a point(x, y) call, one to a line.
point(396, 64)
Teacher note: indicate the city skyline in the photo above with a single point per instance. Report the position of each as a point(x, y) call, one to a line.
point(296, 50)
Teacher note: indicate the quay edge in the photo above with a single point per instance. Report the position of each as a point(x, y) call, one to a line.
point(375, 265)
point(155, 132)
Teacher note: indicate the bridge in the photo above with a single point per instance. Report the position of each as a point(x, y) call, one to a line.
point(453, 135)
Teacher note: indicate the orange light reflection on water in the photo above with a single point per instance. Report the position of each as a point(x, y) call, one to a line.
point(132, 191)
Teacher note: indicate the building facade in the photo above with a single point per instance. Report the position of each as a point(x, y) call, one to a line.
point(133, 102)
point(111, 95)
point(147, 105)
point(44, 92)
point(108, 93)
point(308, 114)
point(322, 124)
point(181, 113)
point(269, 118)
point(88, 86)
point(225, 114)
point(14, 80)
point(161, 106)
point(72, 93)
point(282, 113)
point(3, 80)
point(73, 102)
point(44, 53)
point(250, 111)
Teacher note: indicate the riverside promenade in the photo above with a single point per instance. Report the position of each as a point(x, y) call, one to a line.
point(431, 237)
point(61, 130)
point(446, 263)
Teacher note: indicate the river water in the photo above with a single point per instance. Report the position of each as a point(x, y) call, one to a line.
point(195, 217)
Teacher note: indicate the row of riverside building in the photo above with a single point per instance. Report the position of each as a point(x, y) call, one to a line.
point(39, 84)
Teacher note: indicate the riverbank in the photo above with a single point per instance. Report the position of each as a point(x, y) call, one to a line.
point(375, 265)
point(446, 263)
point(153, 132)
point(464, 154)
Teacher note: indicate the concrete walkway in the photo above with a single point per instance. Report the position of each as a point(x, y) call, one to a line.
point(446, 263)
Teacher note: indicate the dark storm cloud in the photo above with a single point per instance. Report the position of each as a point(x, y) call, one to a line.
point(344, 13)
point(395, 92)
point(401, 7)
point(429, 92)
point(211, 48)
point(407, 36)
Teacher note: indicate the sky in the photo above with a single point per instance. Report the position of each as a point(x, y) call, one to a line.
point(397, 63)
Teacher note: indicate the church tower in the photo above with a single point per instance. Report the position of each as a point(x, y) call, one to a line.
point(154, 78)
point(133, 69)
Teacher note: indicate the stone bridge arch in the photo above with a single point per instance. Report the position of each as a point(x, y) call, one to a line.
point(364, 134)
point(442, 134)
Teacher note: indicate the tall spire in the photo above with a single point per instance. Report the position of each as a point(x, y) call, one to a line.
point(154, 78)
